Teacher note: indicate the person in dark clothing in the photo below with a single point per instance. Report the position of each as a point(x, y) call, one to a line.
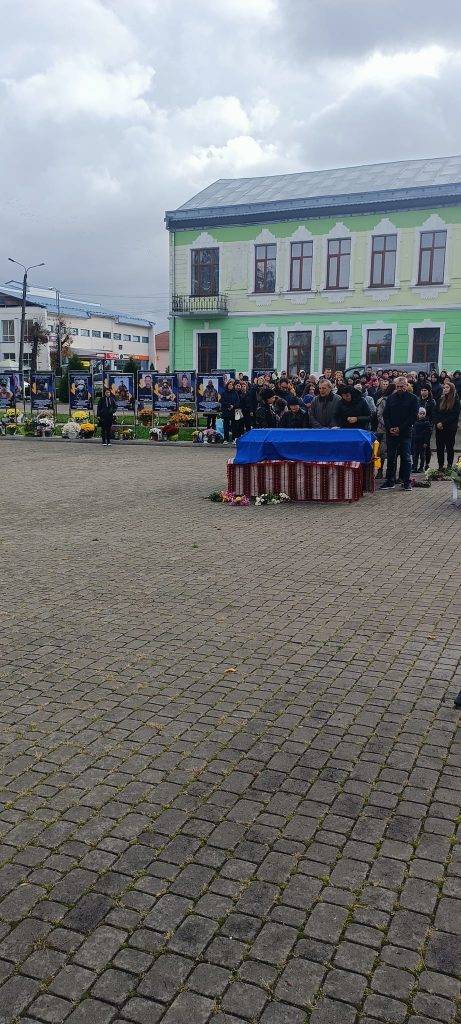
point(264, 416)
point(457, 382)
point(446, 423)
point(400, 413)
point(239, 423)
point(294, 416)
point(421, 442)
point(436, 386)
point(246, 405)
point(426, 402)
point(322, 411)
point(106, 410)
point(228, 407)
point(353, 411)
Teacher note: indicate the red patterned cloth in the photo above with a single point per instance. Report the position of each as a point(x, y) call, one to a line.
point(302, 481)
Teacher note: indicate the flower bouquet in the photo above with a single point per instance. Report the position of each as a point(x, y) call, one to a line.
point(70, 430)
point(438, 474)
point(156, 434)
point(30, 425)
point(126, 433)
point(170, 430)
point(80, 416)
point(44, 426)
point(456, 473)
point(87, 429)
point(145, 416)
point(229, 498)
point(425, 483)
point(271, 499)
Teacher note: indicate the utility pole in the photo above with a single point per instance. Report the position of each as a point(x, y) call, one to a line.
point(23, 313)
point(58, 334)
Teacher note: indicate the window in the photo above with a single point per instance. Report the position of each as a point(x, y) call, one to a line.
point(207, 352)
point(127, 337)
point(432, 257)
point(205, 272)
point(27, 358)
point(136, 337)
point(9, 355)
point(96, 334)
point(299, 351)
point(334, 350)
point(301, 266)
point(426, 343)
point(8, 331)
point(106, 334)
point(120, 348)
point(145, 339)
point(263, 350)
point(73, 330)
point(265, 263)
point(117, 337)
point(383, 256)
point(28, 330)
point(84, 333)
point(379, 344)
point(338, 263)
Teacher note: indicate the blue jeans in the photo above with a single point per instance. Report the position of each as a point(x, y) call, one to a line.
point(397, 445)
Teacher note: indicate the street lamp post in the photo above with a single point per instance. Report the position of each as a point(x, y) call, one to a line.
point(23, 314)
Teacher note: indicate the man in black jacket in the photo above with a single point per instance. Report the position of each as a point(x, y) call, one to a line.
point(107, 407)
point(295, 415)
point(400, 413)
point(353, 411)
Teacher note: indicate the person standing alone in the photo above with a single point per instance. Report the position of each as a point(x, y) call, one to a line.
point(446, 423)
point(106, 411)
point(400, 413)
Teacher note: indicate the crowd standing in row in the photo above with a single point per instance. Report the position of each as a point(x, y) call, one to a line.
point(404, 410)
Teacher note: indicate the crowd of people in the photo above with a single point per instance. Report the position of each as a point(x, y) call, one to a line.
point(405, 410)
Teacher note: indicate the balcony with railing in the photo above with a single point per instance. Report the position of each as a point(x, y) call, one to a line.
point(198, 305)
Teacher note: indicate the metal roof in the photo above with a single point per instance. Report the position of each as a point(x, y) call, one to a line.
point(71, 307)
point(402, 183)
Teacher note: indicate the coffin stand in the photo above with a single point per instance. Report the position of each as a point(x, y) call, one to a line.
point(302, 481)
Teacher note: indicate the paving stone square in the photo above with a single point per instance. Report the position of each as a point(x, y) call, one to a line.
point(230, 766)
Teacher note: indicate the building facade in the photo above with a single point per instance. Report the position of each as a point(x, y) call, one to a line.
point(162, 351)
point(334, 268)
point(96, 333)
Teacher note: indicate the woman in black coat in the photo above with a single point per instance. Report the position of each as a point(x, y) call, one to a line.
point(353, 411)
point(446, 423)
point(107, 407)
point(229, 403)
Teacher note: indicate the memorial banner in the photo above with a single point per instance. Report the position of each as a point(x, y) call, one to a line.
point(209, 390)
point(185, 387)
point(42, 390)
point(11, 389)
point(80, 390)
point(145, 390)
point(165, 392)
point(263, 373)
point(122, 389)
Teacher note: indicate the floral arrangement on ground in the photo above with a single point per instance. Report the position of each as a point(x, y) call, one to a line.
point(456, 473)
point(438, 474)
point(241, 500)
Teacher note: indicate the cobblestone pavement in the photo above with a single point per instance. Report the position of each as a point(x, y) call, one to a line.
point(230, 785)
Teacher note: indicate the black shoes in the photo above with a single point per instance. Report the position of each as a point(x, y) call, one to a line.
point(386, 486)
point(457, 700)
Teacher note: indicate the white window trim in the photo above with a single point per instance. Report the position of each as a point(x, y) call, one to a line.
point(433, 223)
point(300, 235)
point(440, 324)
point(204, 241)
point(297, 327)
point(339, 230)
point(333, 327)
point(385, 227)
point(379, 325)
point(254, 330)
point(218, 346)
point(265, 237)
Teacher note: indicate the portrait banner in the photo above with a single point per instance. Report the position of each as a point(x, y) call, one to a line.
point(165, 392)
point(11, 389)
point(122, 389)
point(185, 382)
point(209, 390)
point(80, 390)
point(42, 390)
point(145, 389)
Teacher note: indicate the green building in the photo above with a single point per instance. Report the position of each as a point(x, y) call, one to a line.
point(360, 265)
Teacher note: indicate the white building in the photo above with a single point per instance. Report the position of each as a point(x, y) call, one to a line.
point(96, 333)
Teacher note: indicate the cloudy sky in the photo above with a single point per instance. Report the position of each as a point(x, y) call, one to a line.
point(112, 111)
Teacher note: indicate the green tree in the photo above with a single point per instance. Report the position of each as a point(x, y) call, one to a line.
point(37, 337)
point(75, 363)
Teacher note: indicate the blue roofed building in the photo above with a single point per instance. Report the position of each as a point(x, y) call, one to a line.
point(96, 332)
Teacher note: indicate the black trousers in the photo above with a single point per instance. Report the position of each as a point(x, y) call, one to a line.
point(229, 427)
point(106, 427)
point(445, 441)
point(421, 455)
